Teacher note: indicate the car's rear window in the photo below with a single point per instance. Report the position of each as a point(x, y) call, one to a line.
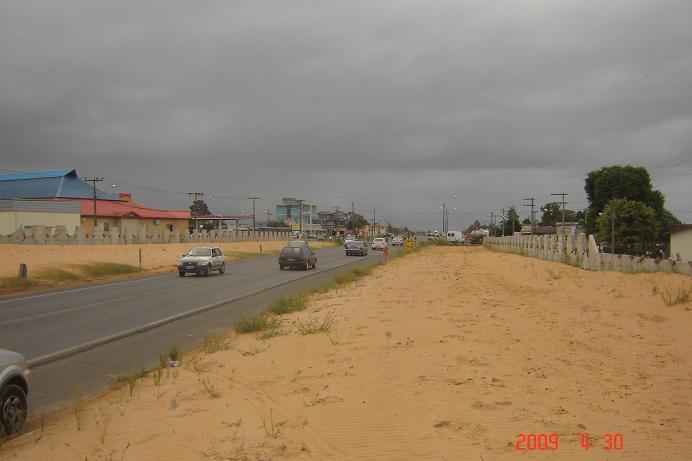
point(292, 250)
point(355, 244)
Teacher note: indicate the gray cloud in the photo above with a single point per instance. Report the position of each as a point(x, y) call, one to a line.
point(402, 99)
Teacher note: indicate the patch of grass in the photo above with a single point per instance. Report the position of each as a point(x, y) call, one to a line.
point(106, 269)
point(441, 423)
point(343, 279)
point(258, 322)
point(270, 333)
point(288, 304)
point(156, 374)
point(133, 376)
point(324, 288)
point(57, 275)
point(313, 325)
point(174, 354)
point(211, 389)
point(672, 296)
point(103, 429)
point(441, 243)
point(214, 343)
point(271, 429)
point(78, 409)
point(15, 283)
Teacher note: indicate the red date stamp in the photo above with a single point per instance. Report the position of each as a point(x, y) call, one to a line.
point(543, 442)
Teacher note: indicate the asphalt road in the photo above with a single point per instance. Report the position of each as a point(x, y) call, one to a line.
point(45, 326)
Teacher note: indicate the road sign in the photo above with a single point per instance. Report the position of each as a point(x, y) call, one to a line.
point(410, 244)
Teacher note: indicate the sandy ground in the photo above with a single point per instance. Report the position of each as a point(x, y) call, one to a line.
point(154, 256)
point(446, 354)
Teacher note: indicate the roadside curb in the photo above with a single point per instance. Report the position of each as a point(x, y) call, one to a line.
point(55, 356)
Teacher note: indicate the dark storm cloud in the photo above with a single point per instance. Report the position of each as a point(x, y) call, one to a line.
point(397, 98)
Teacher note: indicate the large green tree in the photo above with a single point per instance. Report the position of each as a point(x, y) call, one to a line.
point(356, 221)
point(634, 224)
point(510, 222)
point(628, 183)
point(552, 213)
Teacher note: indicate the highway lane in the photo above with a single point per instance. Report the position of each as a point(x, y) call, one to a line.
point(37, 325)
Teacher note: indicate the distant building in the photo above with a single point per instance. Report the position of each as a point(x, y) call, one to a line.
point(334, 222)
point(289, 212)
point(73, 193)
point(15, 214)
point(681, 242)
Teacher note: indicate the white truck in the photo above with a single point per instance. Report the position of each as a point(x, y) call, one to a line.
point(456, 237)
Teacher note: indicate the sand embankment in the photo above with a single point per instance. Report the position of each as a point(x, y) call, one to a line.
point(445, 354)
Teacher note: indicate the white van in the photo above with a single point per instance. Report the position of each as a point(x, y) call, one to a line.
point(455, 237)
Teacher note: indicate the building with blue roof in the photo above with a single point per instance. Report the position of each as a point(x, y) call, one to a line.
point(49, 184)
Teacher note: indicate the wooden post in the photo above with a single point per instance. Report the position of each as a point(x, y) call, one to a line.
point(140, 259)
point(260, 248)
point(23, 272)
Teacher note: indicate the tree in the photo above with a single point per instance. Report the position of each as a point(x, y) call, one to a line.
point(635, 224)
point(199, 208)
point(475, 226)
point(273, 223)
point(552, 214)
point(356, 222)
point(510, 222)
point(628, 183)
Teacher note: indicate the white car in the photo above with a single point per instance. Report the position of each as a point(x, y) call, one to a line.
point(397, 241)
point(378, 243)
point(14, 389)
point(202, 260)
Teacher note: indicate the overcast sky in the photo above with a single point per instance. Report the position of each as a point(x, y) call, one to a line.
point(408, 102)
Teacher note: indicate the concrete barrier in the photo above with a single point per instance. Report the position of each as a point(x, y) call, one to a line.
point(578, 250)
point(41, 235)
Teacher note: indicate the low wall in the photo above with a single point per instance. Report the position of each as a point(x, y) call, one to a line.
point(41, 235)
point(578, 250)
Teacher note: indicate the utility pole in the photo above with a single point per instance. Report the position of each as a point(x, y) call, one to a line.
point(269, 213)
point(612, 231)
point(563, 209)
point(444, 219)
point(503, 222)
point(533, 218)
point(194, 196)
point(492, 222)
point(253, 211)
point(373, 222)
point(338, 220)
point(94, 180)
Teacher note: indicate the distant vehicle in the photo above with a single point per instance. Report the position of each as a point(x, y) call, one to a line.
point(202, 260)
point(378, 243)
point(14, 390)
point(297, 234)
point(349, 238)
point(476, 237)
point(397, 241)
point(299, 257)
point(299, 243)
point(356, 247)
point(455, 237)
point(433, 235)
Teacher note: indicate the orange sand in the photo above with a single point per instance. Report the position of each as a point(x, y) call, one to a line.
point(447, 354)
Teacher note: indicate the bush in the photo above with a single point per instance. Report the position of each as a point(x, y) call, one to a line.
point(105, 269)
point(257, 322)
point(287, 304)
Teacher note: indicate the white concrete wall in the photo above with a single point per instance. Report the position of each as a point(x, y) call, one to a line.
point(579, 251)
point(681, 243)
point(10, 221)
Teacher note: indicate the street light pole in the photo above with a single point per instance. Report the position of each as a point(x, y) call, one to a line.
point(300, 212)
